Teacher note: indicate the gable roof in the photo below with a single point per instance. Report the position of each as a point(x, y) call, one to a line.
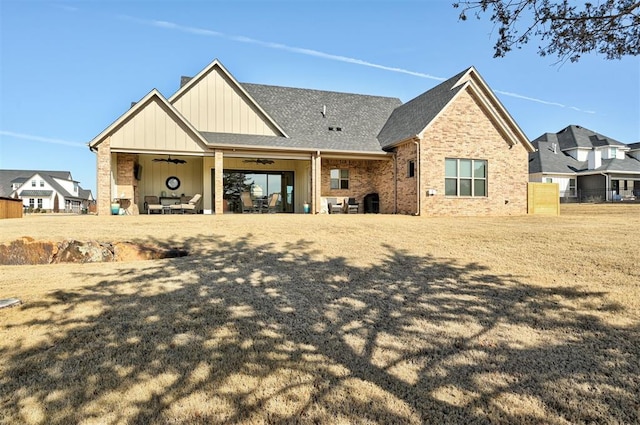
point(546, 160)
point(414, 117)
point(153, 95)
point(312, 120)
point(574, 136)
point(187, 84)
point(7, 177)
point(410, 119)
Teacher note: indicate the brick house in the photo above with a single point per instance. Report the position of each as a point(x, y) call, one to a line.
point(453, 150)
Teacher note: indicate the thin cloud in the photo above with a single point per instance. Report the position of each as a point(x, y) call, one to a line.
point(66, 7)
point(279, 46)
point(544, 102)
point(323, 55)
point(43, 139)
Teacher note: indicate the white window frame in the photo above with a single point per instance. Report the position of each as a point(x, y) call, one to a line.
point(339, 178)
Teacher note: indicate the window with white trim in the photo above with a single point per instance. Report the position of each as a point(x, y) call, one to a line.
point(32, 203)
point(41, 183)
point(339, 179)
point(33, 183)
point(465, 177)
point(40, 203)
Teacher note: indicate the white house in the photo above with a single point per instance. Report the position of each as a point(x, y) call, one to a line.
point(51, 191)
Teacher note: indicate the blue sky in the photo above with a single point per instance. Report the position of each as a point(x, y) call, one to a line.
point(69, 69)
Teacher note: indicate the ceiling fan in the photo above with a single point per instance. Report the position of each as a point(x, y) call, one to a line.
point(260, 161)
point(174, 160)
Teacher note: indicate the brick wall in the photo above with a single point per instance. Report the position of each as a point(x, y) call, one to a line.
point(126, 183)
point(465, 131)
point(407, 186)
point(103, 188)
point(361, 182)
point(383, 174)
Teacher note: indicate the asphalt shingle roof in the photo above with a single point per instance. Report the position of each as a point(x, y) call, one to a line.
point(575, 136)
point(544, 160)
point(36, 193)
point(7, 177)
point(300, 114)
point(411, 118)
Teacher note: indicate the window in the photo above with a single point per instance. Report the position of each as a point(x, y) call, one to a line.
point(613, 152)
point(548, 180)
point(33, 183)
point(572, 187)
point(40, 203)
point(339, 179)
point(41, 183)
point(465, 177)
point(411, 168)
point(32, 203)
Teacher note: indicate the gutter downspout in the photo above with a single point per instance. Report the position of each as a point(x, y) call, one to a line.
point(395, 181)
point(417, 171)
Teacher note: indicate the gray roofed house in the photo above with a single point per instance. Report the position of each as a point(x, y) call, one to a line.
point(312, 147)
point(586, 165)
point(45, 190)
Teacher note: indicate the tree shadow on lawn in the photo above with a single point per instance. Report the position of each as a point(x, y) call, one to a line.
point(245, 333)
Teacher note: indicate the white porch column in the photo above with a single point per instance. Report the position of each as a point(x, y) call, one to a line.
point(218, 183)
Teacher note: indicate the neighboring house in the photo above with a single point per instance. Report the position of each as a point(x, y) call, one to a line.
point(51, 191)
point(586, 165)
point(453, 150)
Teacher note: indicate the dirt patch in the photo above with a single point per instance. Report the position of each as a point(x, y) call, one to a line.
point(26, 250)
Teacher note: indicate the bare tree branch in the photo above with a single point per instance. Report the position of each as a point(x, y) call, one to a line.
point(610, 27)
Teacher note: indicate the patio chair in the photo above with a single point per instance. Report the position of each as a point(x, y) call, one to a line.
point(191, 206)
point(335, 205)
point(151, 204)
point(272, 205)
point(248, 204)
point(351, 206)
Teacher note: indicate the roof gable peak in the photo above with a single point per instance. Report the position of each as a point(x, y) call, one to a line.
point(187, 84)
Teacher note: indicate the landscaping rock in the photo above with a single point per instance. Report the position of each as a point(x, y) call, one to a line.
point(72, 251)
point(28, 251)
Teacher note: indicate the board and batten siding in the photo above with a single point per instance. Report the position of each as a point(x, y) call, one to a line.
point(214, 104)
point(155, 174)
point(154, 128)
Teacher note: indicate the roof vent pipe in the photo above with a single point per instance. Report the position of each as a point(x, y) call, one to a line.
point(324, 111)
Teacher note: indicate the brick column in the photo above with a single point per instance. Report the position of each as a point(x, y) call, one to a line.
point(103, 178)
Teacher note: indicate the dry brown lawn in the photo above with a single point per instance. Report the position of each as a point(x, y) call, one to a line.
point(329, 319)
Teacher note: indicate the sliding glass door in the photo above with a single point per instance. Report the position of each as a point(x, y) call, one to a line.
point(260, 185)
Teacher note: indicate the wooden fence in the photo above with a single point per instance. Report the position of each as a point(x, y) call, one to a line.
point(543, 198)
point(10, 208)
